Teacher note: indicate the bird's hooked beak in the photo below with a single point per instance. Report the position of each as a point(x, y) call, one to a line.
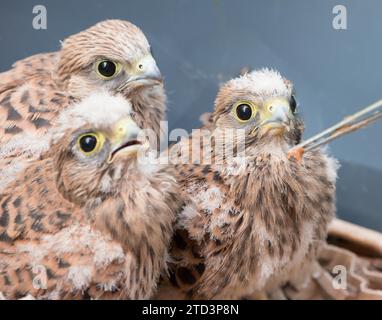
point(276, 116)
point(144, 73)
point(125, 140)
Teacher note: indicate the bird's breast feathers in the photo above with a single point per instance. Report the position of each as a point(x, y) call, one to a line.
point(272, 215)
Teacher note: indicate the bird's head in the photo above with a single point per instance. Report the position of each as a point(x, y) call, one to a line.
point(261, 103)
point(112, 55)
point(95, 147)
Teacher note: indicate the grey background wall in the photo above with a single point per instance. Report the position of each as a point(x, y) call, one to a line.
point(199, 44)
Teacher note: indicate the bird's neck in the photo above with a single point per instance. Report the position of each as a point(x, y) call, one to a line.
point(264, 171)
point(276, 149)
point(149, 105)
point(139, 217)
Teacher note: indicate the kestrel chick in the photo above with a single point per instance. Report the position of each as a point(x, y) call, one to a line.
point(254, 222)
point(113, 55)
point(87, 219)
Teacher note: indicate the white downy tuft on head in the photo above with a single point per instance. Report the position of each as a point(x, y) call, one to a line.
point(264, 82)
point(98, 110)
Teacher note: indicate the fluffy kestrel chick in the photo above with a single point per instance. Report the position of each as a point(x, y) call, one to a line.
point(86, 219)
point(113, 55)
point(255, 221)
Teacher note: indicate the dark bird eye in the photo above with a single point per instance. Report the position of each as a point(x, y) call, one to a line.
point(244, 111)
point(88, 143)
point(293, 104)
point(107, 68)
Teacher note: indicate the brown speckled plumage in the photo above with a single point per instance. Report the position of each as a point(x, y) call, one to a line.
point(37, 88)
point(98, 229)
point(249, 227)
